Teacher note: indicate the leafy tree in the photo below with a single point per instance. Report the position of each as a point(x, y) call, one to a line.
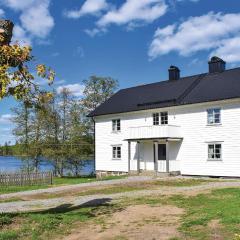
point(22, 121)
point(18, 69)
point(97, 90)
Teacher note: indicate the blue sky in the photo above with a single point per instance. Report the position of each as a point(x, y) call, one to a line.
point(134, 41)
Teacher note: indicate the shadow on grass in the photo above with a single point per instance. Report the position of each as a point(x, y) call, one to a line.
point(65, 208)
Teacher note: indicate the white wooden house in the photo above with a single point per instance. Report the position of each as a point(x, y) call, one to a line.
point(189, 125)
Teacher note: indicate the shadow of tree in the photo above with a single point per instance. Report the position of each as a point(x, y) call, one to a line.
point(65, 208)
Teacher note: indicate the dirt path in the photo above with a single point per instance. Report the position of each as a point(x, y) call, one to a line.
point(32, 205)
point(140, 222)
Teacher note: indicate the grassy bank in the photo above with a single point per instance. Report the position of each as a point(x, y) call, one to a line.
point(56, 182)
point(220, 206)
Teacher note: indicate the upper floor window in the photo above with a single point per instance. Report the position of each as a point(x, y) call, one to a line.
point(116, 152)
point(155, 118)
point(214, 116)
point(214, 151)
point(160, 118)
point(116, 125)
point(164, 118)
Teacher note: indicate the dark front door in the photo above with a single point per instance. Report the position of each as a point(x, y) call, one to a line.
point(161, 151)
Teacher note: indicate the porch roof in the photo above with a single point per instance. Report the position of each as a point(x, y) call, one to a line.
point(154, 139)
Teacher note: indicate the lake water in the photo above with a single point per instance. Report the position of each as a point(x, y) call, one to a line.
point(13, 164)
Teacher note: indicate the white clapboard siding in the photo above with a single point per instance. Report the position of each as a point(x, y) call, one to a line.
point(190, 155)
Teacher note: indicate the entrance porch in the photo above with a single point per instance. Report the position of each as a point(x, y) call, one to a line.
point(158, 155)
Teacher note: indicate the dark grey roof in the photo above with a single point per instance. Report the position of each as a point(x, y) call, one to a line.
point(188, 90)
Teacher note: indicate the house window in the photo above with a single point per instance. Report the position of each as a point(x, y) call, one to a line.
point(155, 118)
point(116, 125)
point(214, 116)
point(214, 151)
point(116, 152)
point(164, 118)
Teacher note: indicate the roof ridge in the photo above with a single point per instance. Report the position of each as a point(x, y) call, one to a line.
point(164, 81)
point(181, 79)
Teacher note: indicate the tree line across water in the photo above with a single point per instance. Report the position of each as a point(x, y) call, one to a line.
point(59, 130)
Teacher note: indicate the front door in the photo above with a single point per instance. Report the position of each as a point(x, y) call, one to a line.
point(162, 152)
point(162, 156)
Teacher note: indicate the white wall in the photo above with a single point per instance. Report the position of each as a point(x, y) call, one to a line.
point(191, 154)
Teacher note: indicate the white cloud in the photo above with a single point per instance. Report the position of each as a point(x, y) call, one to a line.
point(79, 52)
point(6, 135)
point(92, 32)
point(76, 89)
point(90, 7)
point(20, 35)
point(207, 32)
point(229, 50)
point(16, 4)
point(2, 13)
point(35, 18)
point(134, 11)
point(5, 118)
point(59, 82)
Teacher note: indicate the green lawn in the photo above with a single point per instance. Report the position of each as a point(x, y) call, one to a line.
point(220, 205)
point(57, 182)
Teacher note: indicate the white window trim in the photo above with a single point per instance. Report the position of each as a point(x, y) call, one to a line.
point(160, 118)
point(116, 131)
point(221, 153)
point(164, 119)
point(215, 124)
point(118, 145)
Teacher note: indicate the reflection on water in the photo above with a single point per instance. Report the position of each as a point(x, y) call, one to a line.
point(13, 164)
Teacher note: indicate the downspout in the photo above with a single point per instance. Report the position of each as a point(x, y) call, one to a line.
point(94, 141)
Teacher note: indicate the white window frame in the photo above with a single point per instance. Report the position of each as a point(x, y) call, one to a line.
point(160, 118)
point(116, 125)
point(156, 119)
point(164, 118)
point(212, 114)
point(214, 153)
point(116, 152)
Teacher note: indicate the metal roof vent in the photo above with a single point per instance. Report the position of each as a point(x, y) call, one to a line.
point(174, 73)
point(216, 65)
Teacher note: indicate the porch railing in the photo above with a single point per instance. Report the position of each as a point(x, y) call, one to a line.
point(152, 132)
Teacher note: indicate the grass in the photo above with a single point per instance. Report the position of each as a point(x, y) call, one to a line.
point(57, 182)
point(51, 223)
point(136, 186)
point(222, 205)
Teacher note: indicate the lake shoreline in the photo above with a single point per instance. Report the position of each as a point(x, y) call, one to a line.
point(10, 164)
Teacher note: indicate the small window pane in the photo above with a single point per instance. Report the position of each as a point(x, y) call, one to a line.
point(164, 118)
point(155, 118)
point(214, 116)
point(116, 152)
point(214, 151)
point(116, 125)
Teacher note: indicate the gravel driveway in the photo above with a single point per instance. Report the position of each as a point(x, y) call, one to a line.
point(68, 202)
point(77, 186)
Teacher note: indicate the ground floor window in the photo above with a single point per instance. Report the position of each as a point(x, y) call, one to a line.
point(116, 152)
point(214, 151)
